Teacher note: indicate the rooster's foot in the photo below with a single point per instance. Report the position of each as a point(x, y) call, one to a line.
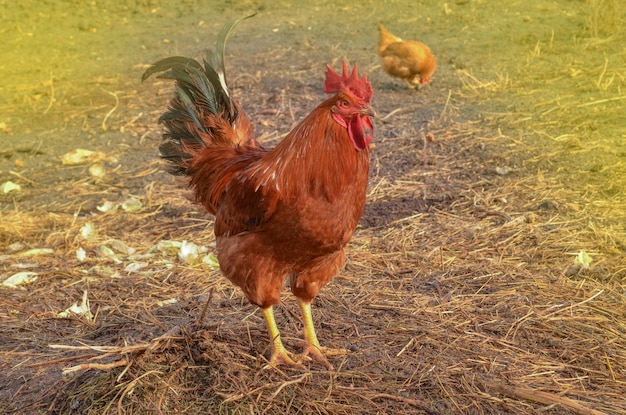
point(283, 358)
point(319, 354)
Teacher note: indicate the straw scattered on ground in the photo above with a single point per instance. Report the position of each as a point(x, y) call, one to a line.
point(487, 275)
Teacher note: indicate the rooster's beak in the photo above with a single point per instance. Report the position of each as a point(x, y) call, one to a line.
point(368, 111)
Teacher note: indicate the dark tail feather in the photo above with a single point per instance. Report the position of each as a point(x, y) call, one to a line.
point(220, 71)
point(177, 157)
point(201, 90)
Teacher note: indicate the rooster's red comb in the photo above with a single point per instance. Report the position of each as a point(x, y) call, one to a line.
point(360, 88)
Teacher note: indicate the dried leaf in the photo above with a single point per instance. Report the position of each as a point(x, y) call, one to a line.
point(132, 205)
point(81, 255)
point(503, 171)
point(97, 170)
point(211, 261)
point(9, 186)
point(583, 259)
point(21, 278)
point(82, 156)
point(168, 247)
point(104, 251)
point(121, 247)
point(167, 302)
point(88, 231)
point(189, 252)
point(135, 266)
point(76, 309)
point(106, 206)
point(103, 271)
point(35, 251)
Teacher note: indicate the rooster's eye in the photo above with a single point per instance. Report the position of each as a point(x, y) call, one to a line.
point(344, 104)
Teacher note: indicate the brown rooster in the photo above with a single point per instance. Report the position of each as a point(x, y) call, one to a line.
point(285, 212)
point(409, 60)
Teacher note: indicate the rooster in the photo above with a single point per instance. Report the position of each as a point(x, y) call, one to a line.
point(409, 60)
point(287, 212)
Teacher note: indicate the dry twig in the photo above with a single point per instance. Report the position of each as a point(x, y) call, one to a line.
point(545, 398)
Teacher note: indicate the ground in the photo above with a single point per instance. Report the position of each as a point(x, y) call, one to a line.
point(468, 287)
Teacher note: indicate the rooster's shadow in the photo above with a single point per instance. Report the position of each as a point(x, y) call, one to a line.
point(384, 212)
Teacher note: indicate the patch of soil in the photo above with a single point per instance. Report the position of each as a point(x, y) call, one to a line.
point(468, 287)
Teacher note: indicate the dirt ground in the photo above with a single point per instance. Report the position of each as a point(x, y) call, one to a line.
point(487, 276)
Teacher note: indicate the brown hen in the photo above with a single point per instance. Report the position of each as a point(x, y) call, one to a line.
point(409, 60)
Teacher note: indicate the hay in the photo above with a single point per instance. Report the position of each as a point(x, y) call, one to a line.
point(461, 295)
point(462, 292)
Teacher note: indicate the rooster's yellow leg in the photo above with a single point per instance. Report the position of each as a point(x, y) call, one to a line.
point(279, 353)
point(312, 346)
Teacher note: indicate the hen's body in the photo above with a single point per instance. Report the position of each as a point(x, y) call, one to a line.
point(301, 217)
point(286, 212)
point(409, 60)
